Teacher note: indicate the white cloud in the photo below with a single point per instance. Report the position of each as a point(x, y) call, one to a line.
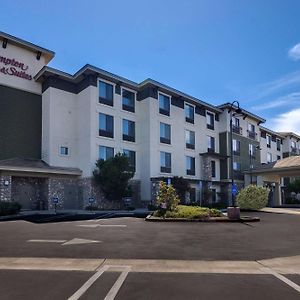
point(289, 121)
point(286, 81)
point(286, 101)
point(294, 52)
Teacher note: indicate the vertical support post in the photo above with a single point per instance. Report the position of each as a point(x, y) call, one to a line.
point(231, 162)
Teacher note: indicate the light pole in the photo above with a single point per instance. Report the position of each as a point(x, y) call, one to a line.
point(234, 211)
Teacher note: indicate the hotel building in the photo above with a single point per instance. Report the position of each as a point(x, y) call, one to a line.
point(54, 126)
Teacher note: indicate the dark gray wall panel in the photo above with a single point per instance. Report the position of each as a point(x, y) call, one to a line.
point(20, 124)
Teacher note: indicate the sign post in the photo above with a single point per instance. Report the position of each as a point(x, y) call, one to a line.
point(55, 201)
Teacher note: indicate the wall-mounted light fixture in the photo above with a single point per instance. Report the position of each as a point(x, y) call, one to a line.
point(38, 55)
point(4, 43)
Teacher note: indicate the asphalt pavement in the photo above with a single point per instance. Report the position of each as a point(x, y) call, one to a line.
point(128, 258)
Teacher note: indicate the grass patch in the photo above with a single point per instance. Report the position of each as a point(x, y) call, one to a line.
point(189, 212)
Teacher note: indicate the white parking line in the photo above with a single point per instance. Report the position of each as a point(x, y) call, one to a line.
point(282, 278)
point(47, 241)
point(116, 287)
point(88, 284)
point(102, 225)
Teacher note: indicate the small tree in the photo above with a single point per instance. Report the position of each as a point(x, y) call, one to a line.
point(181, 186)
point(294, 186)
point(167, 196)
point(253, 197)
point(113, 176)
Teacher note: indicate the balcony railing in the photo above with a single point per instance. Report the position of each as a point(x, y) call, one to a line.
point(294, 151)
point(237, 129)
point(238, 175)
point(252, 134)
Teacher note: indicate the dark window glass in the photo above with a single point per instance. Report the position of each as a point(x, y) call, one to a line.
point(213, 168)
point(128, 100)
point(165, 133)
point(236, 146)
point(131, 158)
point(278, 143)
point(106, 125)
point(190, 165)
point(210, 121)
point(105, 93)
point(190, 139)
point(210, 144)
point(189, 113)
point(105, 152)
point(268, 141)
point(128, 130)
point(64, 151)
point(164, 105)
point(165, 162)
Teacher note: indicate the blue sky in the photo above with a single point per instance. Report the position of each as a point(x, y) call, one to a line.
point(218, 51)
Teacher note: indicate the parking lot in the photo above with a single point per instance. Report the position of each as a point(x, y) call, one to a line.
point(128, 258)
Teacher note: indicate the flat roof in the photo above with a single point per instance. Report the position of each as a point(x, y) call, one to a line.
point(27, 45)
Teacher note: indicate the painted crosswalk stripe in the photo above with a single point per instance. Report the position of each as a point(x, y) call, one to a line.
point(47, 241)
point(88, 284)
point(116, 287)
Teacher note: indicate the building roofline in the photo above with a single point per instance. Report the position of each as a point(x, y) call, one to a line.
point(271, 131)
point(27, 45)
point(290, 133)
point(246, 112)
point(182, 94)
point(90, 68)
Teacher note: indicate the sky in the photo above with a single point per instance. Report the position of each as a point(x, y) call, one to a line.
point(218, 51)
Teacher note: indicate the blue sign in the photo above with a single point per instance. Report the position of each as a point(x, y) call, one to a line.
point(168, 181)
point(233, 189)
point(55, 200)
point(91, 200)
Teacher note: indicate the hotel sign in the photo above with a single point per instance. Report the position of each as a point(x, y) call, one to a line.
point(13, 67)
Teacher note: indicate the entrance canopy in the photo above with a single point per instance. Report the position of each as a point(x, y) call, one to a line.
point(273, 172)
point(287, 167)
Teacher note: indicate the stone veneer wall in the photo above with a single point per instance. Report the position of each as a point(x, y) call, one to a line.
point(5, 190)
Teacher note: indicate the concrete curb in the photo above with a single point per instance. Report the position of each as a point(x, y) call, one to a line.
point(150, 218)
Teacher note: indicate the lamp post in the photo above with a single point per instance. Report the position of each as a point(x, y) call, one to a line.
point(233, 212)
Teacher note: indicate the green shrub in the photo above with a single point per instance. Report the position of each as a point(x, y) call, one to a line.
point(9, 208)
point(253, 197)
point(167, 196)
point(189, 212)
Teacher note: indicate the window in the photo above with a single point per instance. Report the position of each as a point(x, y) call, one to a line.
point(278, 157)
point(210, 144)
point(293, 145)
point(190, 165)
point(251, 131)
point(213, 169)
point(189, 113)
point(64, 151)
point(190, 139)
point(236, 122)
point(164, 105)
point(213, 195)
point(236, 166)
point(269, 157)
point(278, 144)
point(106, 93)
point(251, 127)
point(131, 158)
point(210, 120)
point(268, 141)
point(106, 125)
point(165, 133)
point(236, 147)
point(252, 150)
point(105, 152)
point(165, 162)
point(236, 126)
point(128, 100)
point(128, 130)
